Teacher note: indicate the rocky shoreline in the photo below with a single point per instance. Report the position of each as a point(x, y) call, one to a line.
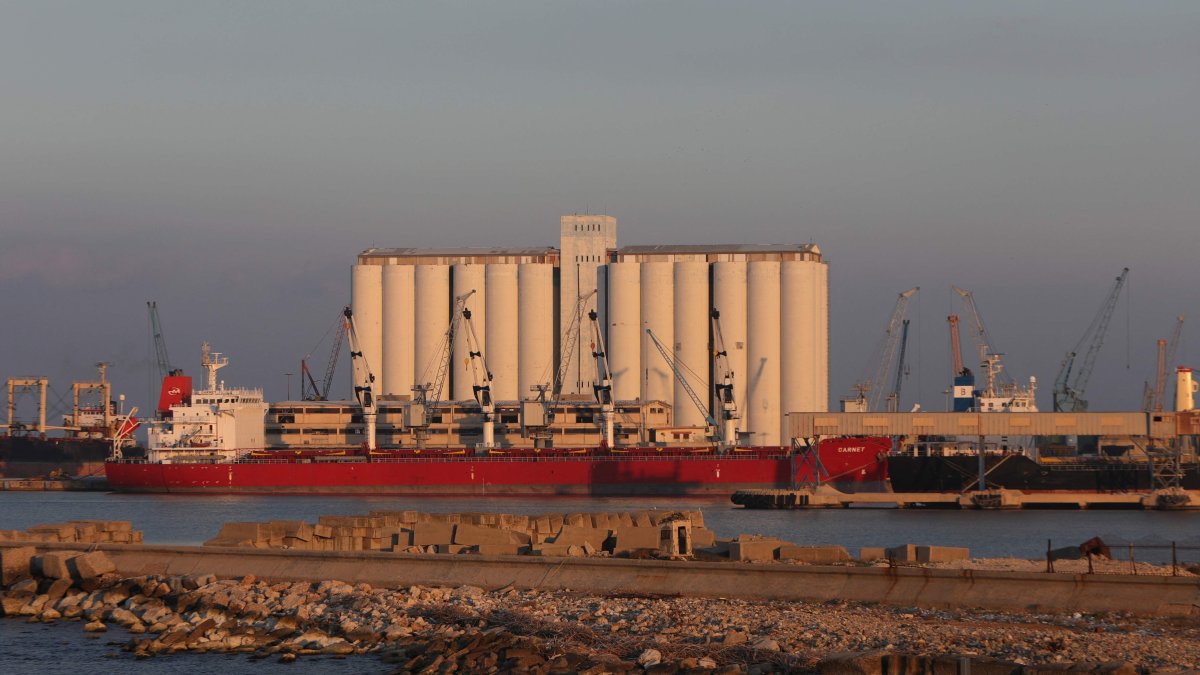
point(468, 629)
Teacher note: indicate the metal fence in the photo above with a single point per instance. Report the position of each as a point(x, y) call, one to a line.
point(1117, 556)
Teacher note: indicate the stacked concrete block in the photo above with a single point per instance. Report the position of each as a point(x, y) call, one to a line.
point(77, 532)
point(934, 554)
point(814, 555)
point(451, 533)
point(753, 548)
point(14, 563)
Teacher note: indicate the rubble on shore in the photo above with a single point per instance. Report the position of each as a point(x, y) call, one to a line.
point(469, 629)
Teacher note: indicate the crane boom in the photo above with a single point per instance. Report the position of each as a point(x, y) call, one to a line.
point(1166, 360)
point(363, 381)
point(1069, 387)
point(482, 380)
point(872, 388)
point(162, 360)
point(569, 339)
point(723, 387)
point(955, 346)
point(602, 387)
point(441, 366)
point(895, 396)
point(670, 359)
point(988, 357)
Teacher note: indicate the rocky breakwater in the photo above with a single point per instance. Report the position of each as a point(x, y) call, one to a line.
point(469, 629)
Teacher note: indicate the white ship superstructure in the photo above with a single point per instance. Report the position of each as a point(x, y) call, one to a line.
point(218, 424)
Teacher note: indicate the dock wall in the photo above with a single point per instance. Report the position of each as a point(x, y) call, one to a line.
point(913, 586)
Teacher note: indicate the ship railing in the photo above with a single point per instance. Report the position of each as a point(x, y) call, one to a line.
point(425, 459)
point(1114, 555)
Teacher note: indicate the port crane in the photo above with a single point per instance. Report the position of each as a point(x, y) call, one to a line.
point(550, 395)
point(1155, 397)
point(309, 391)
point(724, 385)
point(1071, 382)
point(364, 381)
point(602, 387)
point(161, 359)
point(669, 356)
point(871, 387)
point(481, 386)
point(989, 359)
point(432, 390)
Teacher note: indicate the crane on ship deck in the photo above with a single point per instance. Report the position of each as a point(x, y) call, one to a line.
point(549, 395)
point(602, 386)
point(309, 390)
point(364, 381)
point(723, 387)
point(677, 369)
point(1071, 382)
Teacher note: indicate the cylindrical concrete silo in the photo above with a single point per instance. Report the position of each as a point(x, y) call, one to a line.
point(729, 298)
point(502, 320)
point(398, 335)
point(624, 329)
point(431, 318)
point(467, 277)
point(797, 323)
point(762, 354)
point(821, 378)
point(658, 315)
point(691, 339)
point(535, 319)
point(366, 300)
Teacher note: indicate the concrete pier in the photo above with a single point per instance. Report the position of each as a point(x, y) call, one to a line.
point(828, 498)
point(911, 586)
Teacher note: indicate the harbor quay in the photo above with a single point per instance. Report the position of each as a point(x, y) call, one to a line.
point(425, 600)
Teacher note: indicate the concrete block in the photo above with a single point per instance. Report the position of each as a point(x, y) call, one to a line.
point(500, 549)
point(643, 519)
point(231, 534)
point(451, 548)
point(426, 534)
point(703, 537)
point(473, 535)
point(53, 564)
point(53, 532)
point(903, 553)
point(933, 554)
point(322, 531)
point(753, 550)
point(872, 553)
point(14, 563)
point(814, 555)
point(543, 526)
point(90, 565)
point(559, 550)
point(627, 539)
point(578, 534)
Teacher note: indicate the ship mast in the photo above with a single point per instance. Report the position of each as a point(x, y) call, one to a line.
point(212, 362)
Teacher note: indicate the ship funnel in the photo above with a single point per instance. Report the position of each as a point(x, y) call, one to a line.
point(1185, 390)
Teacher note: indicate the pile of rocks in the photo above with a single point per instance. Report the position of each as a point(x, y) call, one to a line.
point(78, 531)
point(572, 534)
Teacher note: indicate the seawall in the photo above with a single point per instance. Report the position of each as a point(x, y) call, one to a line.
point(909, 586)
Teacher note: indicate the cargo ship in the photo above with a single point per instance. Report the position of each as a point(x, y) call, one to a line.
point(1020, 471)
point(79, 446)
point(229, 440)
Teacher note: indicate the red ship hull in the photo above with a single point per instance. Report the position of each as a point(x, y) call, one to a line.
point(856, 464)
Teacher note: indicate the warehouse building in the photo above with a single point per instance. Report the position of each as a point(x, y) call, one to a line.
point(773, 302)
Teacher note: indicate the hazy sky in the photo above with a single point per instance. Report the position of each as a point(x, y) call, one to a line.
point(229, 160)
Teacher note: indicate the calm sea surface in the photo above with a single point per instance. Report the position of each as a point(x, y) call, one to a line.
point(191, 519)
point(188, 519)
